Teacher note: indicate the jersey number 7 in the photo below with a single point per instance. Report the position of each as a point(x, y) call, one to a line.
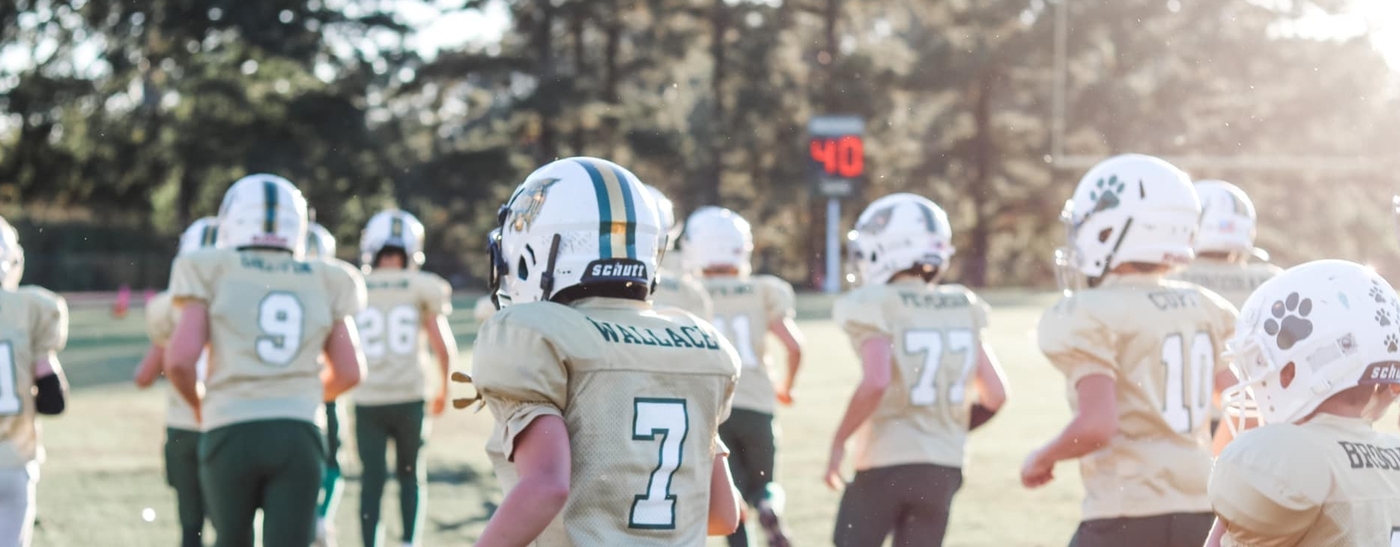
point(668, 419)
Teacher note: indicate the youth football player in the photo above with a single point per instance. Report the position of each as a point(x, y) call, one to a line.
point(1141, 357)
point(321, 245)
point(181, 429)
point(1314, 347)
point(606, 410)
point(718, 244)
point(406, 315)
point(267, 315)
point(929, 378)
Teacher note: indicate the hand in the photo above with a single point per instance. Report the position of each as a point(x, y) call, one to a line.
point(833, 468)
point(784, 395)
point(143, 381)
point(439, 403)
point(198, 414)
point(1037, 471)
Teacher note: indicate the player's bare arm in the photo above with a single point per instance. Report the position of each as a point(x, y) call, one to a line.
point(875, 364)
point(991, 385)
point(786, 331)
point(1092, 427)
point(445, 349)
point(725, 504)
point(151, 366)
point(345, 363)
point(50, 384)
point(542, 457)
point(182, 355)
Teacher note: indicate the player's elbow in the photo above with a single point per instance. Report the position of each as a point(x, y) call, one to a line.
point(1097, 431)
point(725, 512)
point(550, 492)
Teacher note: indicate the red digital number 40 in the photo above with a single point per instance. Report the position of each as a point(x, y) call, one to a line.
point(844, 156)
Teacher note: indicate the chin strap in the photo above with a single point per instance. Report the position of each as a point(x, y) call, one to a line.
point(465, 402)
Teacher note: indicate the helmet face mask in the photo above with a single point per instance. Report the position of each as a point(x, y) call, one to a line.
point(319, 242)
point(263, 211)
point(575, 222)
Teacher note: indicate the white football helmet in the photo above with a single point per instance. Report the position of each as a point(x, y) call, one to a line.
point(263, 211)
point(11, 256)
point(1329, 324)
point(1227, 219)
point(575, 222)
point(667, 210)
point(1128, 208)
point(319, 242)
point(898, 232)
point(201, 233)
point(393, 228)
point(716, 237)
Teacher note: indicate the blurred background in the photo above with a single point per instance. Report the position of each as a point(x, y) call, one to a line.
point(123, 120)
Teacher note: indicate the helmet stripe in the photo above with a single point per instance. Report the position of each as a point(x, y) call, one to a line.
point(207, 237)
point(630, 210)
point(600, 190)
point(270, 198)
point(617, 197)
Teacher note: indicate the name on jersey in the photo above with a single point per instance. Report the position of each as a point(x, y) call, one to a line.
point(1226, 283)
point(1366, 456)
point(1175, 299)
point(387, 284)
point(924, 300)
point(681, 337)
point(732, 290)
point(255, 262)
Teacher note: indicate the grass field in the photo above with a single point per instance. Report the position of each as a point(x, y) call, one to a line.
point(104, 455)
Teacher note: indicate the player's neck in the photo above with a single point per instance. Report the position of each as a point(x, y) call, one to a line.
point(1219, 257)
point(720, 272)
point(1140, 268)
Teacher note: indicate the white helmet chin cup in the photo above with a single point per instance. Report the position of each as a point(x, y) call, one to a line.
point(576, 221)
point(899, 232)
point(1227, 219)
point(392, 228)
point(264, 211)
point(716, 237)
point(1314, 331)
point(1130, 208)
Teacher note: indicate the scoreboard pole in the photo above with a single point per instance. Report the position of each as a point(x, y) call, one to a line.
point(836, 154)
point(833, 246)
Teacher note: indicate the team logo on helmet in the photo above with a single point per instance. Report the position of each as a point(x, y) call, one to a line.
point(878, 221)
point(527, 204)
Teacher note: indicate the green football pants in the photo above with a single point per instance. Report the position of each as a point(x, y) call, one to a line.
point(182, 474)
point(331, 485)
point(273, 465)
point(374, 427)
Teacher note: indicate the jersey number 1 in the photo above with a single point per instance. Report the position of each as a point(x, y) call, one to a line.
point(1179, 384)
point(668, 419)
point(10, 403)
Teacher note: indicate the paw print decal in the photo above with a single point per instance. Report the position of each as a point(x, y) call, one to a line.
point(1383, 317)
point(1377, 294)
point(1392, 343)
point(1289, 324)
point(1105, 193)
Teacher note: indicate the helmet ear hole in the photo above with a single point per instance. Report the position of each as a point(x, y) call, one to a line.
point(1286, 375)
point(522, 270)
point(1105, 234)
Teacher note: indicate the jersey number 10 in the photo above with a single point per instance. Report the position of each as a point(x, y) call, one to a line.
point(1179, 382)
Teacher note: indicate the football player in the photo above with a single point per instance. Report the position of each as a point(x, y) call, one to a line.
point(718, 244)
point(321, 245)
point(1313, 347)
point(674, 287)
point(407, 307)
point(181, 429)
point(35, 329)
point(929, 378)
point(606, 410)
point(1141, 357)
point(267, 316)
point(1225, 244)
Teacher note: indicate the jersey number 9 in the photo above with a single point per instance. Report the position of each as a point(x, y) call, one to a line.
point(281, 319)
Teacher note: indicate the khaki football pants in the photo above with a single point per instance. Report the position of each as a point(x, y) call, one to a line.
point(17, 505)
